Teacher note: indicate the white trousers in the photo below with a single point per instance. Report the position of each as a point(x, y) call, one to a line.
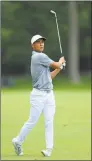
point(41, 102)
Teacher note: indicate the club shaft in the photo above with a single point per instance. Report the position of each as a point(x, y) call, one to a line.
point(58, 34)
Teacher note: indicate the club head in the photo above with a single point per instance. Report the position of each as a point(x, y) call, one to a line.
point(53, 12)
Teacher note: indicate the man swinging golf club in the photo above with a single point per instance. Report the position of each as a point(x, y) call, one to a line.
point(42, 97)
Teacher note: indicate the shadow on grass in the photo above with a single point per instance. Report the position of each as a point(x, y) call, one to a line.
point(24, 157)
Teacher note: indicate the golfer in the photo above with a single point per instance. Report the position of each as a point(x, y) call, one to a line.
point(42, 97)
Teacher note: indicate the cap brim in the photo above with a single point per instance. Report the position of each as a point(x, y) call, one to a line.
point(42, 38)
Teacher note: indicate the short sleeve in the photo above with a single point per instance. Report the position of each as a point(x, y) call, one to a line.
point(45, 60)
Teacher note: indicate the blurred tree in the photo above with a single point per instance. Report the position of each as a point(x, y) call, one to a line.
point(73, 56)
point(22, 19)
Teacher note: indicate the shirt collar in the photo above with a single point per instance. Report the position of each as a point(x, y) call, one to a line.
point(35, 52)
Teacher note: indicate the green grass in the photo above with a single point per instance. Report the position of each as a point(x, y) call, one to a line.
point(72, 126)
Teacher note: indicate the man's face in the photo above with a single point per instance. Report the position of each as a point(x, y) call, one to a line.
point(38, 45)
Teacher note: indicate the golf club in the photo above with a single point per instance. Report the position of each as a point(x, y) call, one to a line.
point(53, 12)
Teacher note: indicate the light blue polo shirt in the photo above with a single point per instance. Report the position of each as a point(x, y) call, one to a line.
point(40, 71)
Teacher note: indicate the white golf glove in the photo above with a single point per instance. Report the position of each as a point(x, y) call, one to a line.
point(63, 65)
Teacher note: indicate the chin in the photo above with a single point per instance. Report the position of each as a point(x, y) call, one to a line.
point(42, 50)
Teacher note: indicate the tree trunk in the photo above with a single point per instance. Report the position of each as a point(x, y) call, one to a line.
point(73, 59)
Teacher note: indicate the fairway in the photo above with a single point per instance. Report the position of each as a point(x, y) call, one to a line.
point(72, 126)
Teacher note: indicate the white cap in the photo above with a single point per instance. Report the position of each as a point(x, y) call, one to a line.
point(37, 37)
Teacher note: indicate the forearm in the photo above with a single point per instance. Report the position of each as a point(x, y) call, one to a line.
point(54, 73)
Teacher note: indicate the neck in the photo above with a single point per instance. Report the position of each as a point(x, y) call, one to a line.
point(37, 51)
